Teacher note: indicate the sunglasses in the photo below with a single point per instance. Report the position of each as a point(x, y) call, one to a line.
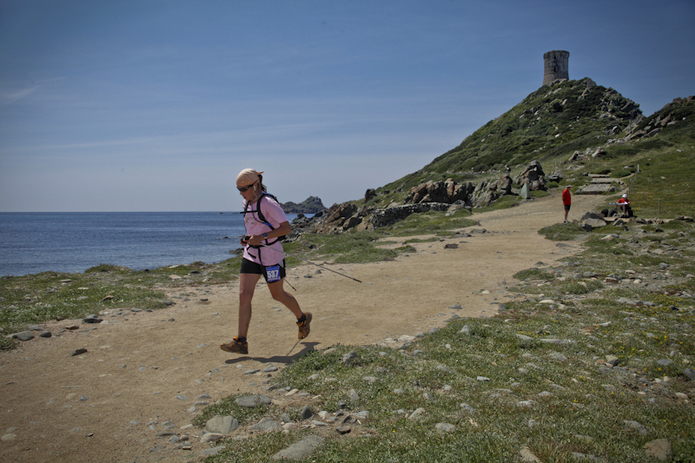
point(244, 188)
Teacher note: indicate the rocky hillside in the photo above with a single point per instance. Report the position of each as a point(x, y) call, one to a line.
point(676, 118)
point(573, 121)
point(556, 119)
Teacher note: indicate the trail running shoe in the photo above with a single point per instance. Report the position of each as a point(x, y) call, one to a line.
point(305, 326)
point(235, 347)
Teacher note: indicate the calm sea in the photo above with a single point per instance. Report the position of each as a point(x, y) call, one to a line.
point(73, 242)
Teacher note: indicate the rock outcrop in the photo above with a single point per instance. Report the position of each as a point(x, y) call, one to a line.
point(447, 192)
point(429, 196)
point(667, 116)
point(311, 205)
point(534, 176)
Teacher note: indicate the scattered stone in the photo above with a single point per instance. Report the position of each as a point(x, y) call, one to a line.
point(24, 335)
point(300, 450)
point(636, 426)
point(659, 449)
point(223, 425)
point(306, 413)
point(211, 437)
point(79, 351)
point(417, 414)
point(445, 427)
point(527, 456)
point(349, 358)
point(343, 429)
point(45, 334)
point(266, 425)
point(467, 407)
point(92, 319)
point(251, 401)
point(525, 403)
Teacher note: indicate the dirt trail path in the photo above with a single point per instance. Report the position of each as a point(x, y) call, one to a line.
point(150, 367)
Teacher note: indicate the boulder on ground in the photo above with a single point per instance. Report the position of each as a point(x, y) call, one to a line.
point(534, 176)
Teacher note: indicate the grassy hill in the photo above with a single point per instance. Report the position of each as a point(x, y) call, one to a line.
point(558, 120)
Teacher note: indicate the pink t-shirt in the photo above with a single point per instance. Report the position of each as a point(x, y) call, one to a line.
point(273, 213)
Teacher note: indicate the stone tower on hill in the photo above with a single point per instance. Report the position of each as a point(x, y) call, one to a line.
point(556, 66)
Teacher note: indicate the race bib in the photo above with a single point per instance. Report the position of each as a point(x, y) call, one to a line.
point(273, 274)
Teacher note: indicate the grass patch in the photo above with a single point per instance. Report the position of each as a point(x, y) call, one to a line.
point(534, 274)
point(367, 246)
point(563, 232)
point(34, 299)
point(430, 222)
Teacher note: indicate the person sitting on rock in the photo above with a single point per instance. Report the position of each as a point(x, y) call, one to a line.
point(624, 206)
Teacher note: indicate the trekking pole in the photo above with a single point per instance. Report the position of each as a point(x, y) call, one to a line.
point(295, 345)
point(323, 267)
point(318, 265)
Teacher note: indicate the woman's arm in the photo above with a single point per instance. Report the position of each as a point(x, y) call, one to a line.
point(282, 230)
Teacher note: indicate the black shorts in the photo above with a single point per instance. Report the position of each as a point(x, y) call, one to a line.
point(567, 207)
point(248, 266)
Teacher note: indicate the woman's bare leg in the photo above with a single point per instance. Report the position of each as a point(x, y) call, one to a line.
point(278, 292)
point(247, 286)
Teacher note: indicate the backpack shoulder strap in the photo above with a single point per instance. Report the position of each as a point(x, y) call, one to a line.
point(258, 211)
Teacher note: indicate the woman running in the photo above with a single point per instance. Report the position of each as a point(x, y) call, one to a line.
point(265, 223)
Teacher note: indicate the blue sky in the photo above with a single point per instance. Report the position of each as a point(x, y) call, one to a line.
point(157, 105)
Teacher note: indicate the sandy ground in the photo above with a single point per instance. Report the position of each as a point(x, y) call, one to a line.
point(100, 406)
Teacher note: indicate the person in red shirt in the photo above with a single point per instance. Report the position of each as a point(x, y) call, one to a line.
point(624, 206)
point(566, 200)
